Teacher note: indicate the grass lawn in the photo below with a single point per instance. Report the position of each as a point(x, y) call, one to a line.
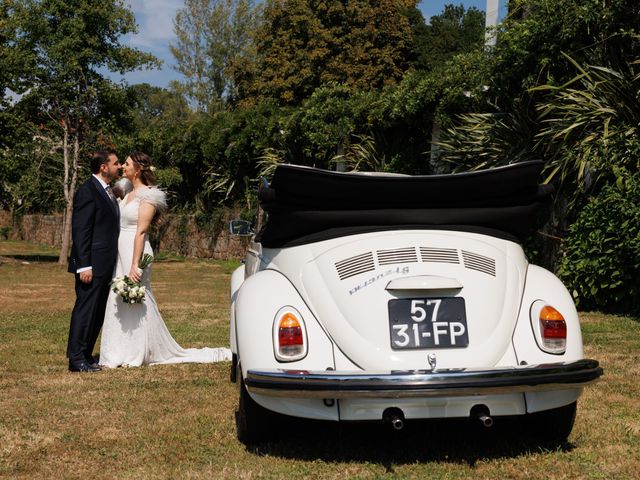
point(177, 421)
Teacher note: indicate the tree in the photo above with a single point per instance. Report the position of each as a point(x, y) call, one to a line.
point(303, 44)
point(13, 69)
point(156, 118)
point(214, 42)
point(7, 32)
point(536, 34)
point(562, 87)
point(66, 42)
point(454, 31)
point(234, 142)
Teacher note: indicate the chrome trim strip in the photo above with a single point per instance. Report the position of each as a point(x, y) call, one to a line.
point(423, 383)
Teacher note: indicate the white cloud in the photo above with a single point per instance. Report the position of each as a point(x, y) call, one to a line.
point(155, 33)
point(155, 22)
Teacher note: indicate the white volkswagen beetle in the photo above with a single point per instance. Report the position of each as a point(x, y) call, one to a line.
point(392, 298)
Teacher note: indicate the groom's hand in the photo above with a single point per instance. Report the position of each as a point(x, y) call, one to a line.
point(86, 276)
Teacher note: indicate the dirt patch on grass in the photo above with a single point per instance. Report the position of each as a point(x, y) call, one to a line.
point(9, 260)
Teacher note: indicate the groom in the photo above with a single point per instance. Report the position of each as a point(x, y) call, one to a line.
point(95, 229)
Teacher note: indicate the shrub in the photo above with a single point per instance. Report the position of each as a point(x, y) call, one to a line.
point(601, 255)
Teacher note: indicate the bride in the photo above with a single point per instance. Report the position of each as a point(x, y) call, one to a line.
point(135, 334)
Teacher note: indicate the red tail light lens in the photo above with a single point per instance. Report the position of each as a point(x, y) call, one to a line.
point(549, 328)
point(289, 336)
point(553, 330)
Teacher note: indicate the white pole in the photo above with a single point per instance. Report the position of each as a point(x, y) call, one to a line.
point(491, 22)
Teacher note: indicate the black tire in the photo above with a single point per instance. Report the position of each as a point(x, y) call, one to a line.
point(552, 426)
point(253, 422)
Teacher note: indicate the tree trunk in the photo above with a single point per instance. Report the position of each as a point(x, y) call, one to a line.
point(69, 187)
point(66, 233)
point(553, 232)
point(66, 219)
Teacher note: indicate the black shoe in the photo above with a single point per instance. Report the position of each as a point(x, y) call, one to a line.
point(92, 362)
point(82, 367)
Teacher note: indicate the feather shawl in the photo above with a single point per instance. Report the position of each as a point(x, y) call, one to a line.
point(122, 187)
point(153, 195)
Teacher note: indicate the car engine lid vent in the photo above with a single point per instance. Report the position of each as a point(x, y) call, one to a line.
point(440, 255)
point(480, 263)
point(398, 255)
point(352, 266)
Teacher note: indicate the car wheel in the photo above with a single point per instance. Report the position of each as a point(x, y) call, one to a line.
point(252, 421)
point(554, 425)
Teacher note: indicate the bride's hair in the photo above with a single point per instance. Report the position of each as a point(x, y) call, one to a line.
point(146, 170)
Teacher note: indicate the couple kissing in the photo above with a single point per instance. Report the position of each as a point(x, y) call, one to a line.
point(110, 237)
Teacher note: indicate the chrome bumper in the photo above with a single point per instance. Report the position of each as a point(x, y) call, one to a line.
point(422, 383)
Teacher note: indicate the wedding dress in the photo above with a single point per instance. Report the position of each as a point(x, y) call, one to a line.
point(135, 334)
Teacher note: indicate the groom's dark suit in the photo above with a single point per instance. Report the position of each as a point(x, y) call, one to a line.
point(95, 232)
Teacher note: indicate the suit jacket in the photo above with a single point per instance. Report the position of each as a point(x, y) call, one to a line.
point(95, 229)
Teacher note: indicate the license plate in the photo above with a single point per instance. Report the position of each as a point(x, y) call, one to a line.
point(427, 323)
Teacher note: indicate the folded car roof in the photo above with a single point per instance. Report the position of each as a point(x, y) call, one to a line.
point(308, 204)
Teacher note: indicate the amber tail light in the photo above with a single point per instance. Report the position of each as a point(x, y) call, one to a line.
point(549, 328)
point(290, 339)
point(553, 329)
point(290, 335)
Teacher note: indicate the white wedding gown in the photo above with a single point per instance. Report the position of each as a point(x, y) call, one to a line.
point(134, 335)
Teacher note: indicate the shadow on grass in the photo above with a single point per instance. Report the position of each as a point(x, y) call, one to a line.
point(33, 258)
point(458, 441)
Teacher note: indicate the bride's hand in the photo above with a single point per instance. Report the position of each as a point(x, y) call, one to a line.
point(135, 274)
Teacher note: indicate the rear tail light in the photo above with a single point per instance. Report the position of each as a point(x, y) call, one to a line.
point(554, 329)
point(289, 336)
point(549, 328)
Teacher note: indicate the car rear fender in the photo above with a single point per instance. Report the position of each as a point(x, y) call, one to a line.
point(540, 284)
point(258, 301)
point(237, 278)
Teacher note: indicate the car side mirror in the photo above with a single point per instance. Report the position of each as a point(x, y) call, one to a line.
point(241, 228)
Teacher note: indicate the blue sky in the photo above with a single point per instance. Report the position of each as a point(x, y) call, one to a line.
point(155, 33)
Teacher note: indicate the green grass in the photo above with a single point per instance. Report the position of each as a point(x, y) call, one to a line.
point(177, 421)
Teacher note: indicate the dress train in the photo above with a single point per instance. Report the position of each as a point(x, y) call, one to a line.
point(135, 334)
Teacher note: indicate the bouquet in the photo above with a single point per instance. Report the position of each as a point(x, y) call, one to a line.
point(132, 292)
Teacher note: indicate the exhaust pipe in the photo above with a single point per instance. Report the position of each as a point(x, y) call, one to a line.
point(397, 423)
point(486, 420)
point(394, 417)
point(481, 413)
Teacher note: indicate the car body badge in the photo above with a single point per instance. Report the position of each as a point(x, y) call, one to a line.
point(432, 360)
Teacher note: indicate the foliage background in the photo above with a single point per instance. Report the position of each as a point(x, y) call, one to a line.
point(601, 257)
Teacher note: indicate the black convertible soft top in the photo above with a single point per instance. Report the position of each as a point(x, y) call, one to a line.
point(306, 204)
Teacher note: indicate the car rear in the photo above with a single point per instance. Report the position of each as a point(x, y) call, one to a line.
point(431, 311)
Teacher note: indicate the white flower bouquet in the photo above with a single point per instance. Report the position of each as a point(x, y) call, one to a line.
point(132, 292)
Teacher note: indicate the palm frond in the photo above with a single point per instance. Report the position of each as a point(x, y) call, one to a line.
point(268, 161)
point(581, 117)
point(362, 155)
point(483, 140)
